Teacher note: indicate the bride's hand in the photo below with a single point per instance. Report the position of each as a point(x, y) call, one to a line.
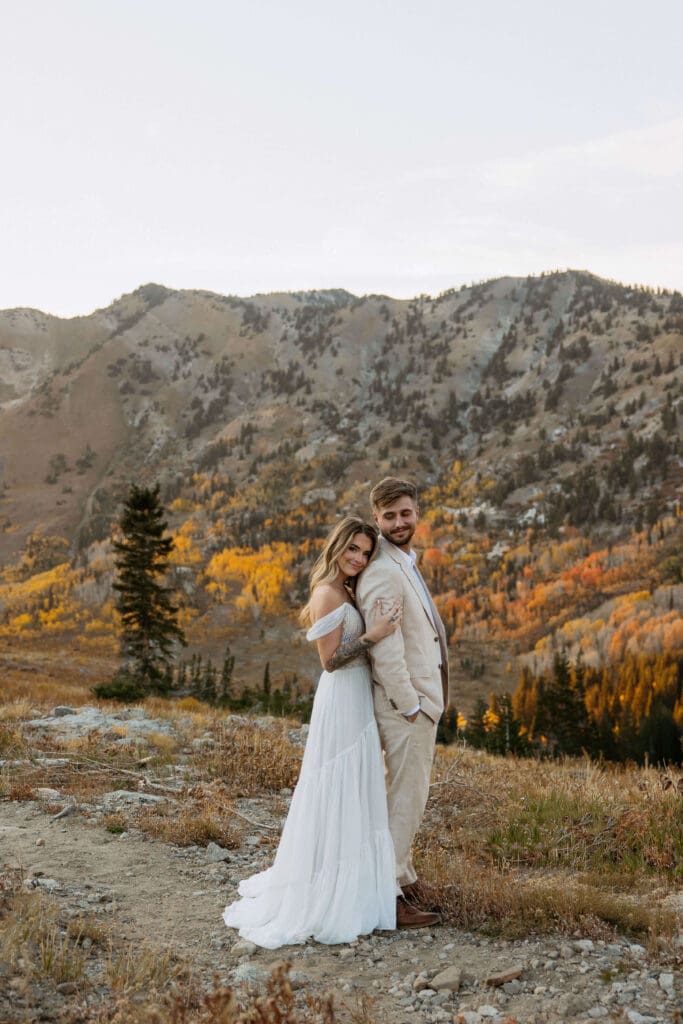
point(384, 622)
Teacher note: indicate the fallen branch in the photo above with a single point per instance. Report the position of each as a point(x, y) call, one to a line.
point(81, 759)
point(256, 824)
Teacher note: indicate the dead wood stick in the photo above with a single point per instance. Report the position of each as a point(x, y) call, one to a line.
point(122, 771)
point(256, 824)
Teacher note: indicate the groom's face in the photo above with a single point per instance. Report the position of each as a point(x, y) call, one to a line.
point(397, 521)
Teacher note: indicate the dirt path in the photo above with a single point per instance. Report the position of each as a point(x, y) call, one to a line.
point(161, 896)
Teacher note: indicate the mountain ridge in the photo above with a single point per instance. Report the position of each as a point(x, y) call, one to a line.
point(461, 368)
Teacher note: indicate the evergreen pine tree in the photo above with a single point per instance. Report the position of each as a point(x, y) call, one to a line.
point(225, 689)
point(196, 678)
point(475, 733)
point(265, 689)
point(506, 736)
point(447, 729)
point(149, 618)
point(209, 693)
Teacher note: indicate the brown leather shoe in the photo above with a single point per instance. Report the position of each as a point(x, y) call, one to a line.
point(422, 896)
point(408, 916)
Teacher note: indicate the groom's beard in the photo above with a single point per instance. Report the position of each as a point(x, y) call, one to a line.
point(400, 535)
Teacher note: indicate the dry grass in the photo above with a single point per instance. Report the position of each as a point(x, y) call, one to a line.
point(130, 969)
point(88, 926)
point(206, 815)
point(33, 939)
point(44, 683)
point(517, 846)
point(251, 758)
point(15, 710)
point(13, 743)
point(95, 765)
point(189, 1004)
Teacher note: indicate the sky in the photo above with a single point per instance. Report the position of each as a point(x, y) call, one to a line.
point(382, 146)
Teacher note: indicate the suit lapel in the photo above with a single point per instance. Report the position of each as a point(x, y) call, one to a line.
point(432, 614)
point(411, 576)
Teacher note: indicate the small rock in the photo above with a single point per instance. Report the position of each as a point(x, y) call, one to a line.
point(127, 796)
point(666, 982)
point(569, 1004)
point(450, 980)
point(636, 949)
point(67, 988)
point(639, 1018)
point(252, 841)
point(46, 794)
point(346, 953)
point(40, 842)
point(596, 1012)
point(215, 853)
point(513, 988)
point(297, 980)
point(243, 948)
point(509, 974)
point(584, 945)
point(487, 1010)
point(250, 974)
point(469, 1017)
point(51, 884)
point(203, 743)
point(62, 710)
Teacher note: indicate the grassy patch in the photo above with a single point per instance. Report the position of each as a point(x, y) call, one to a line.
point(518, 846)
point(195, 822)
point(35, 942)
point(251, 758)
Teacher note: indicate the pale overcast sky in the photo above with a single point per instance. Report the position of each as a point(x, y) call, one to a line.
point(375, 145)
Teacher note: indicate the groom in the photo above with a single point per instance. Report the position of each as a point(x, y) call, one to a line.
point(410, 673)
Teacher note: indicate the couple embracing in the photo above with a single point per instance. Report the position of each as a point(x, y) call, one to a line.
point(344, 864)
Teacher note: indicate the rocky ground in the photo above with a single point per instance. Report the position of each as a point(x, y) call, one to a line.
point(169, 899)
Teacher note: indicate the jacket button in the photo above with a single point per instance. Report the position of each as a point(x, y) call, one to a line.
point(436, 639)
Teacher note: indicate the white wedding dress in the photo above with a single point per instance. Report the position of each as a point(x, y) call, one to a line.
point(334, 874)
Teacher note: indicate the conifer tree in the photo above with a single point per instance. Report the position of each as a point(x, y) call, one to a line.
point(225, 693)
point(149, 618)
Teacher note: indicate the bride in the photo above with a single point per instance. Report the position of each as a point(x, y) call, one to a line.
point(333, 877)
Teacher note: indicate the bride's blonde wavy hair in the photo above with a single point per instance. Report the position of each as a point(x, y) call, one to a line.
point(327, 565)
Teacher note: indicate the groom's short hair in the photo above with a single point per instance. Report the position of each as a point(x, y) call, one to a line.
point(389, 489)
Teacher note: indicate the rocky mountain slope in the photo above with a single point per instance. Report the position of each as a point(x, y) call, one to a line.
point(528, 380)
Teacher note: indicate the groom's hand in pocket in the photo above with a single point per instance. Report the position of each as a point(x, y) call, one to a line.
point(411, 718)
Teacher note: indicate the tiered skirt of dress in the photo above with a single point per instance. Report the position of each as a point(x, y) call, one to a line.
point(333, 877)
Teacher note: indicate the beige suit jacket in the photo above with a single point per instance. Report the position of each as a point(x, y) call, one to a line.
point(411, 664)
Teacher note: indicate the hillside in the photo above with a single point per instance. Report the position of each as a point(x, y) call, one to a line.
point(541, 418)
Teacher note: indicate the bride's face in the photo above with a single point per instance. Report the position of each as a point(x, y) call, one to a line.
point(356, 556)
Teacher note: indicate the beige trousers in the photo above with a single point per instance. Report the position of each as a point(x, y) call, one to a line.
point(408, 754)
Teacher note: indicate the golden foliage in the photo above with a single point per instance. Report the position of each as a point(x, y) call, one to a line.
point(262, 577)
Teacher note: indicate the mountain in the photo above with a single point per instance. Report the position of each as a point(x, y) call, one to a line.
point(549, 404)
